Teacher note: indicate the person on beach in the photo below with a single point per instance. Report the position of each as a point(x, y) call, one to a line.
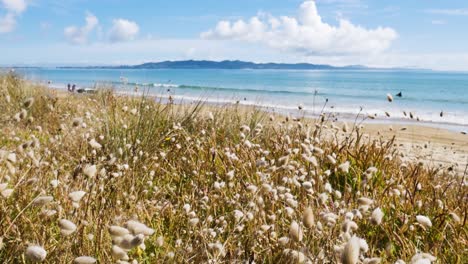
point(73, 88)
point(69, 87)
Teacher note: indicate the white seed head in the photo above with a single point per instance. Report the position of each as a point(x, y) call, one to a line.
point(377, 216)
point(90, 171)
point(295, 231)
point(363, 201)
point(128, 242)
point(348, 226)
point(455, 217)
point(139, 228)
point(76, 196)
point(119, 253)
point(423, 258)
point(35, 253)
point(283, 241)
point(117, 231)
point(54, 183)
point(308, 218)
point(94, 144)
point(84, 260)
point(194, 221)
point(160, 241)
point(66, 227)
point(344, 167)
point(424, 221)
point(350, 254)
point(43, 200)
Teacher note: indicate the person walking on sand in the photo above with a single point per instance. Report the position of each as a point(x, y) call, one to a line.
point(69, 87)
point(73, 88)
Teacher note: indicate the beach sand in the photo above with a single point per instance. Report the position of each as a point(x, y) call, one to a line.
point(434, 147)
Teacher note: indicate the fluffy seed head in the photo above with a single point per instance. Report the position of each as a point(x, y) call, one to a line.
point(308, 218)
point(84, 260)
point(66, 227)
point(76, 196)
point(350, 253)
point(119, 253)
point(283, 241)
point(455, 217)
point(90, 171)
point(424, 221)
point(363, 201)
point(377, 216)
point(43, 200)
point(295, 231)
point(344, 167)
point(94, 144)
point(423, 258)
point(117, 231)
point(128, 242)
point(138, 228)
point(35, 253)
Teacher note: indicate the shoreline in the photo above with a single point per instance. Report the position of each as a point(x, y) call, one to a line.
point(293, 110)
point(435, 146)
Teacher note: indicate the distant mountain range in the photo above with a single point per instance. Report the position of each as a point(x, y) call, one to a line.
point(227, 64)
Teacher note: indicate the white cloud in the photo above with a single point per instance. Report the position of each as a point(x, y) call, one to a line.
point(145, 50)
point(449, 12)
point(79, 35)
point(307, 34)
point(7, 23)
point(13, 8)
point(123, 30)
point(17, 6)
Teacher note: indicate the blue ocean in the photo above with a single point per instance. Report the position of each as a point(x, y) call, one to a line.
point(425, 94)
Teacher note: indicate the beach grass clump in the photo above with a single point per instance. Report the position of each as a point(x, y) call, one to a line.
point(104, 178)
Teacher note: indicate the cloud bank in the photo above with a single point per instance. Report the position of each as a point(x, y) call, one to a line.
point(123, 30)
point(306, 34)
point(14, 8)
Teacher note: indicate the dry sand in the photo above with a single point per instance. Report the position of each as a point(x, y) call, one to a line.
point(434, 146)
point(437, 147)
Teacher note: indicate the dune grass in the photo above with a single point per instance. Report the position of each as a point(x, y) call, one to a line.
point(165, 183)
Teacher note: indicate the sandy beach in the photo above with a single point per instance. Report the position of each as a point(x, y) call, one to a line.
point(435, 146)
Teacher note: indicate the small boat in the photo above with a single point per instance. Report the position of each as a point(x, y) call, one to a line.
point(86, 90)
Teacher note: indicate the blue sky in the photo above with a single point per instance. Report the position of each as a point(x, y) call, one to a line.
point(384, 33)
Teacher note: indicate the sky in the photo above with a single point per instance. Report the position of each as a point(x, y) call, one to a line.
point(380, 33)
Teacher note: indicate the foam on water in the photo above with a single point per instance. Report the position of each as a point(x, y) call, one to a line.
point(425, 93)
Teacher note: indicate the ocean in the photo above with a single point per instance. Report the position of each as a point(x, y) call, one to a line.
point(425, 94)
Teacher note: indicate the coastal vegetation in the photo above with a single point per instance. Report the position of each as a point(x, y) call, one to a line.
point(104, 178)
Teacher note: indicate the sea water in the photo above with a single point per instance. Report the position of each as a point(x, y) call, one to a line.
point(425, 94)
